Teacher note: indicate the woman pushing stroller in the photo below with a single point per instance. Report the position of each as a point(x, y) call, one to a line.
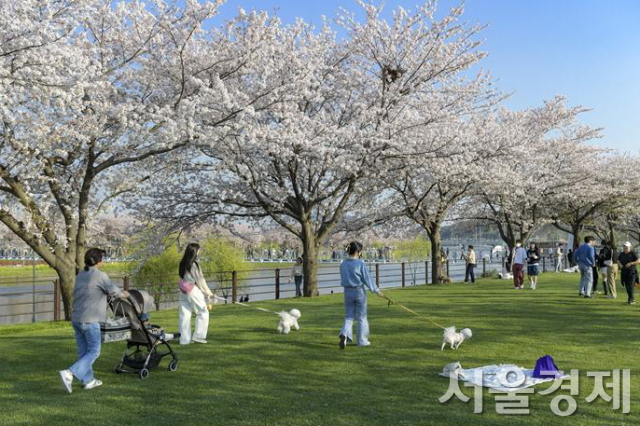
point(89, 308)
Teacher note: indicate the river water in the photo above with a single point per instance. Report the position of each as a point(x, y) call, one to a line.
point(27, 302)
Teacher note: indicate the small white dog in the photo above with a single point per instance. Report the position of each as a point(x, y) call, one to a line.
point(288, 320)
point(454, 338)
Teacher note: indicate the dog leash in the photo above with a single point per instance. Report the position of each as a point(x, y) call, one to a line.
point(391, 302)
point(247, 306)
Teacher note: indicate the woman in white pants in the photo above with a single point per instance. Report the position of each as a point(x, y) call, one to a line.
point(193, 298)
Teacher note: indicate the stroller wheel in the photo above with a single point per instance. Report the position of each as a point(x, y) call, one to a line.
point(144, 373)
point(173, 365)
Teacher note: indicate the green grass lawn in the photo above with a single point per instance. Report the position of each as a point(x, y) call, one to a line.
point(250, 375)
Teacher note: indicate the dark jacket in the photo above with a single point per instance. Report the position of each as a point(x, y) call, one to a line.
point(533, 256)
point(605, 254)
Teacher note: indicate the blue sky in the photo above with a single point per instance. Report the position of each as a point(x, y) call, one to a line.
point(587, 50)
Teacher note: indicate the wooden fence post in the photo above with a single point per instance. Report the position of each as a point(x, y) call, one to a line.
point(378, 275)
point(484, 267)
point(426, 272)
point(403, 274)
point(277, 283)
point(234, 286)
point(56, 300)
point(448, 273)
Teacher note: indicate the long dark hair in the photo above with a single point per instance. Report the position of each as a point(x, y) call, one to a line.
point(92, 257)
point(190, 256)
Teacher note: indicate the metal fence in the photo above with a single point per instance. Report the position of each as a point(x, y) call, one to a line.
point(30, 300)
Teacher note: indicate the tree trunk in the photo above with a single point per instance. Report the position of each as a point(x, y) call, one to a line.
point(67, 279)
point(510, 241)
point(437, 271)
point(575, 231)
point(524, 236)
point(310, 263)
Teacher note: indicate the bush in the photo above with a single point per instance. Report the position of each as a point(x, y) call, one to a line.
point(219, 257)
point(491, 273)
point(158, 275)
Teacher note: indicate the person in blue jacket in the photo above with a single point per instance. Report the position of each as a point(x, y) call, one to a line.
point(585, 257)
point(355, 278)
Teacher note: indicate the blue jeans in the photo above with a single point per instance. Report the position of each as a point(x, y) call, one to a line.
point(586, 279)
point(298, 280)
point(88, 341)
point(355, 307)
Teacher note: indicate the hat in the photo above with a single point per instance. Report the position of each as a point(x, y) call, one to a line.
point(627, 244)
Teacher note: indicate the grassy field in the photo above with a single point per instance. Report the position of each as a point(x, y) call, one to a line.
point(250, 375)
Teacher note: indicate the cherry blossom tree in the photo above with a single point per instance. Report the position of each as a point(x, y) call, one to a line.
point(87, 89)
point(618, 202)
point(453, 163)
point(595, 193)
point(311, 152)
point(550, 157)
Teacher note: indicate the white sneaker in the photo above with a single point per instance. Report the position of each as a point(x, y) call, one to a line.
point(198, 340)
point(66, 376)
point(93, 384)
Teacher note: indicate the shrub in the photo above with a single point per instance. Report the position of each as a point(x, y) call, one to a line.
point(491, 273)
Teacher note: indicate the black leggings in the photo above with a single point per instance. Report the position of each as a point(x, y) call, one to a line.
point(629, 280)
point(594, 287)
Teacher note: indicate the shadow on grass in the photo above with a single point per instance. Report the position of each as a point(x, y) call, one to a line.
point(249, 374)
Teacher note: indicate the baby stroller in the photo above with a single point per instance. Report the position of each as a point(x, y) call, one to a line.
point(148, 344)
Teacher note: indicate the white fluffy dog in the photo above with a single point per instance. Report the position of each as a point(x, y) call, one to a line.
point(454, 338)
point(288, 320)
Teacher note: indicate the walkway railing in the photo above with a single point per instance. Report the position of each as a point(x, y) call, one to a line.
point(27, 300)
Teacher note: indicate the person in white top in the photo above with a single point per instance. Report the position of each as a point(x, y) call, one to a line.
point(296, 274)
point(194, 300)
point(559, 254)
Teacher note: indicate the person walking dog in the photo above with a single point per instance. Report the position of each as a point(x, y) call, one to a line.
point(355, 278)
point(194, 296)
